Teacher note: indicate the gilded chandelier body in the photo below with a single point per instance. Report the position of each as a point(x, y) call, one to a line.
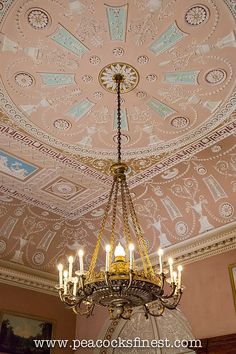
point(121, 286)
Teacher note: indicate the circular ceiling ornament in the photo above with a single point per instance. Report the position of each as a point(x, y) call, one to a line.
point(38, 258)
point(141, 94)
point(179, 122)
point(130, 77)
point(62, 124)
point(24, 79)
point(118, 52)
point(215, 76)
point(64, 188)
point(38, 18)
point(181, 228)
point(197, 15)
point(87, 78)
point(143, 59)
point(216, 148)
point(151, 77)
point(97, 95)
point(94, 60)
point(124, 139)
point(226, 210)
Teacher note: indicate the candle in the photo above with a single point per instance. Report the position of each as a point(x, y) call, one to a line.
point(75, 286)
point(65, 273)
point(108, 250)
point(160, 254)
point(175, 277)
point(71, 260)
point(170, 261)
point(81, 264)
point(180, 268)
point(131, 258)
point(60, 268)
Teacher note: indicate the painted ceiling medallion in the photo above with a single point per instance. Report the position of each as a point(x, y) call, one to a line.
point(151, 77)
point(24, 79)
point(179, 122)
point(197, 15)
point(97, 95)
point(129, 73)
point(38, 18)
point(215, 76)
point(94, 60)
point(141, 94)
point(226, 210)
point(118, 52)
point(124, 138)
point(62, 124)
point(143, 59)
point(87, 78)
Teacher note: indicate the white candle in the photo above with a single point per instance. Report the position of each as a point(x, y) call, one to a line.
point(160, 254)
point(175, 277)
point(75, 286)
point(108, 250)
point(180, 268)
point(81, 263)
point(170, 261)
point(65, 273)
point(131, 258)
point(60, 268)
point(71, 260)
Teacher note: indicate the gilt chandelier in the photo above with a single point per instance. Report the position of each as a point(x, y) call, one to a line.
point(121, 285)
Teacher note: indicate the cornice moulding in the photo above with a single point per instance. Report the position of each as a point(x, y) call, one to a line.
point(24, 277)
point(200, 247)
point(205, 245)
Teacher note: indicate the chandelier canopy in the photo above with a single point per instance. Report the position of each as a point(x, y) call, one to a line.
point(121, 285)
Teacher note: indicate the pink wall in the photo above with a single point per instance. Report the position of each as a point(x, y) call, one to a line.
point(32, 303)
point(207, 301)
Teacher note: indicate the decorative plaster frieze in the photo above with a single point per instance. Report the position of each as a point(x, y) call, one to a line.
point(207, 244)
point(17, 275)
point(203, 246)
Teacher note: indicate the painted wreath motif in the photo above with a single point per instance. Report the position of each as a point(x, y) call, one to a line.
point(197, 15)
point(38, 19)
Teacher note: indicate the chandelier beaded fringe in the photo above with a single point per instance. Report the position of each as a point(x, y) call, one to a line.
point(121, 285)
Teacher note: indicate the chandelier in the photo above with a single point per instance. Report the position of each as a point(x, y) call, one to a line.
point(122, 284)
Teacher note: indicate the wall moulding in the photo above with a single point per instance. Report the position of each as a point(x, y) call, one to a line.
point(24, 277)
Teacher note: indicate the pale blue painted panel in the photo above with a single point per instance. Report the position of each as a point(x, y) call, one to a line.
point(124, 120)
point(15, 167)
point(69, 41)
point(80, 109)
point(57, 79)
point(182, 77)
point(160, 108)
point(117, 17)
point(167, 39)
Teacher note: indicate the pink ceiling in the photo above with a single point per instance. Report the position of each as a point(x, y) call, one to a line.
point(57, 121)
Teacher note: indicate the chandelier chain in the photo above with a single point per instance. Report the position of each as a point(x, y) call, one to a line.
point(118, 79)
point(139, 232)
point(125, 216)
point(104, 220)
point(112, 238)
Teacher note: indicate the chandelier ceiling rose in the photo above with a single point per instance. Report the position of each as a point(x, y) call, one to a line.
point(107, 77)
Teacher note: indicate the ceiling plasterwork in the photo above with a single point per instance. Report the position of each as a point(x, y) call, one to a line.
point(187, 200)
point(58, 127)
point(184, 58)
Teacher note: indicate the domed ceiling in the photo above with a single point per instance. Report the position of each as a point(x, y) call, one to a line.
point(58, 127)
